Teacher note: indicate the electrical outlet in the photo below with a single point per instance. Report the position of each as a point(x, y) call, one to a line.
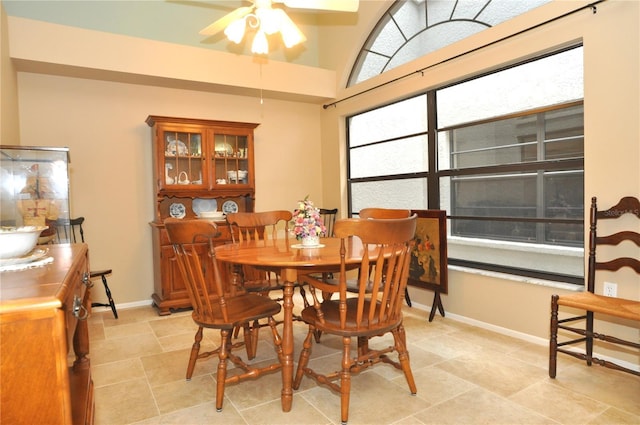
point(610, 289)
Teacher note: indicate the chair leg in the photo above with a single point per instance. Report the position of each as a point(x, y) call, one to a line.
point(223, 355)
point(195, 350)
point(304, 358)
point(277, 339)
point(553, 337)
point(303, 293)
point(254, 331)
point(111, 303)
point(589, 337)
point(403, 357)
point(345, 379)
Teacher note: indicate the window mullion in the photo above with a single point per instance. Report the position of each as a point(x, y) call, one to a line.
point(540, 207)
point(433, 182)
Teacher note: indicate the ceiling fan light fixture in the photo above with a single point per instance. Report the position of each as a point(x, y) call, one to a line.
point(269, 19)
point(260, 44)
point(291, 34)
point(235, 30)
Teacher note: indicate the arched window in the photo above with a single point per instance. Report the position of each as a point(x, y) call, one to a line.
point(414, 28)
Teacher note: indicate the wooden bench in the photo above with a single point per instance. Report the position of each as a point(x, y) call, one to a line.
point(593, 303)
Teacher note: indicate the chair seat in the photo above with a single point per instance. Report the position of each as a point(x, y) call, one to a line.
point(331, 316)
point(99, 273)
point(619, 307)
point(240, 309)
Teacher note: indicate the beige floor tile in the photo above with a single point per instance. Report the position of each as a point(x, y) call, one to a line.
point(271, 413)
point(618, 389)
point(479, 406)
point(493, 371)
point(202, 414)
point(115, 372)
point(124, 403)
point(435, 385)
point(559, 404)
point(448, 346)
point(180, 394)
point(129, 329)
point(163, 368)
point(173, 325)
point(96, 330)
point(492, 341)
point(111, 350)
point(615, 416)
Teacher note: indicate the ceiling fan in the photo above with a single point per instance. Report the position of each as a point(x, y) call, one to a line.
point(266, 20)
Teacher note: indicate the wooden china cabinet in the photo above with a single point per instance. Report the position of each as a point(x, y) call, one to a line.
point(198, 165)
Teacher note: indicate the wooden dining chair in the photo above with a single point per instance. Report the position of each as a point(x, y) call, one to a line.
point(71, 231)
point(367, 315)
point(328, 219)
point(380, 213)
point(222, 308)
point(259, 226)
point(386, 213)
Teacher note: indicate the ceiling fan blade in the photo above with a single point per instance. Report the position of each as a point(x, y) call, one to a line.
point(223, 22)
point(332, 5)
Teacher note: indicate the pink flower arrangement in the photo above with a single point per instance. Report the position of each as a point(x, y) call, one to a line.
point(307, 220)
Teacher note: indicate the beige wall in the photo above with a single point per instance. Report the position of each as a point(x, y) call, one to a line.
point(103, 124)
point(9, 122)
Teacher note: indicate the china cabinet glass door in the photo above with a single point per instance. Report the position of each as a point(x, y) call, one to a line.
point(231, 159)
point(183, 158)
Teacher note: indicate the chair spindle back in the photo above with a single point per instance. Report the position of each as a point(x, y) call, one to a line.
point(626, 205)
point(258, 225)
point(387, 246)
point(186, 236)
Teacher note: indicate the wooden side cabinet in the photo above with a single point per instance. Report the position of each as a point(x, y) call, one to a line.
point(45, 374)
point(198, 165)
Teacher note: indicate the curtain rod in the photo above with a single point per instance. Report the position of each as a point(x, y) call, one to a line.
point(591, 6)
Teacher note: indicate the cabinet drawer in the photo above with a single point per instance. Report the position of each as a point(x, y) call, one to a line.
point(225, 235)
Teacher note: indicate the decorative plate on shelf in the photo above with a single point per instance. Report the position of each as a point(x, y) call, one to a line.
point(177, 210)
point(229, 207)
point(175, 148)
point(203, 204)
point(224, 149)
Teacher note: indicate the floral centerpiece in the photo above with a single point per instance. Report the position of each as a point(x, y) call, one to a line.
point(307, 223)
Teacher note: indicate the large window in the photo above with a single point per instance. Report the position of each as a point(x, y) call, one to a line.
point(501, 153)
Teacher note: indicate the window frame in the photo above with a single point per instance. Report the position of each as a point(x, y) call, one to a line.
point(433, 174)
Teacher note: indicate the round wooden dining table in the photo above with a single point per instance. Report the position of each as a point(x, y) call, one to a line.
point(291, 258)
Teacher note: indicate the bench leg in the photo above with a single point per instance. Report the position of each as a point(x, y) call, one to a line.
point(553, 338)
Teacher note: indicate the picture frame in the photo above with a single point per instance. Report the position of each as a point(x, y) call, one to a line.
point(428, 267)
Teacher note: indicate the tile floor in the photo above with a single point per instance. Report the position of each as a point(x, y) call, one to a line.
point(464, 374)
